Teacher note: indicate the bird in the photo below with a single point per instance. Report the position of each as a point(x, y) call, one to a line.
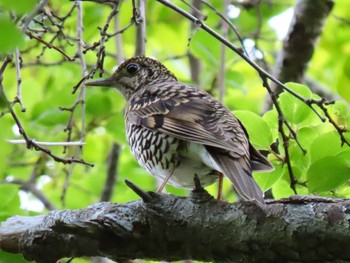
point(177, 131)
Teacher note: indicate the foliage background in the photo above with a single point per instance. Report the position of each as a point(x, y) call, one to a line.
point(32, 182)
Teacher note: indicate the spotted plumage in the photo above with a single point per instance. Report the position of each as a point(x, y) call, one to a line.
point(176, 131)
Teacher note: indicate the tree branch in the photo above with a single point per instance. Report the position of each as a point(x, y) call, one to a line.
point(166, 227)
point(300, 42)
point(112, 170)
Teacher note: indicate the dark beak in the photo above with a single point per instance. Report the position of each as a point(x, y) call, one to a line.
point(107, 82)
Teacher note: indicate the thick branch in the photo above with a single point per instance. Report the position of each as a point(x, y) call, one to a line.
point(166, 227)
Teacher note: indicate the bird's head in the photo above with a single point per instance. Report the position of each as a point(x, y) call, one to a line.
point(133, 74)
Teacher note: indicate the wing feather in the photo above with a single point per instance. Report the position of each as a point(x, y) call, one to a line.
point(198, 118)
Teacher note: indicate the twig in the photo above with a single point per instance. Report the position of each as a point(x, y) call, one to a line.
point(112, 168)
point(139, 18)
point(222, 66)
point(118, 37)
point(195, 63)
point(101, 52)
point(30, 17)
point(285, 138)
point(117, 34)
point(322, 104)
point(18, 97)
point(224, 18)
point(31, 188)
point(7, 60)
point(48, 143)
point(31, 144)
point(80, 55)
point(50, 46)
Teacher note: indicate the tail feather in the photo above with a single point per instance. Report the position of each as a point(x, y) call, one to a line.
point(238, 171)
point(258, 161)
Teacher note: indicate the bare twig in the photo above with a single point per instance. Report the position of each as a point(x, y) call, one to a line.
point(50, 46)
point(228, 22)
point(80, 55)
point(195, 63)
point(112, 168)
point(30, 17)
point(222, 66)
point(7, 60)
point(103, 32)
point(33, 145)
point(18, 98)
point(48, 143)
point(139, 18)
point(118, 38)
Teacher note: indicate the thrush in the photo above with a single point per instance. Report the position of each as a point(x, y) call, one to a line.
point(177, 131)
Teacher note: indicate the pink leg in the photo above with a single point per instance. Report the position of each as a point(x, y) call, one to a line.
point(161, 187)
point(221, 177)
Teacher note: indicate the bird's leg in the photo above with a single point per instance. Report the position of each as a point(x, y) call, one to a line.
point(221, 177)
point(166, 179)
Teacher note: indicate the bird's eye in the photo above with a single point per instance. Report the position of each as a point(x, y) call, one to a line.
point(132, 68)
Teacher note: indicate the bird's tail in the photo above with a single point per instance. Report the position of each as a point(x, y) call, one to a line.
point(258, 161)
point(238, 171)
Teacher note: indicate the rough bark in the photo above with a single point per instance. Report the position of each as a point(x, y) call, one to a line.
point(166, 227)
point(300, 42)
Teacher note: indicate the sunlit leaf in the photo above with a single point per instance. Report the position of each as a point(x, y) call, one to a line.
point(281, 188)
point(328, 173)
point(19, 6)
point(294, 109)
point(258, 130)
point(327, 144)
point(267, 179)
point(14, 37)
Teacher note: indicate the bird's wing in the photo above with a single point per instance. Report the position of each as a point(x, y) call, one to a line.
point(191, 116)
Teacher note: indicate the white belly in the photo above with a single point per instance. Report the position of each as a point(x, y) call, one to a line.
point(162, 155)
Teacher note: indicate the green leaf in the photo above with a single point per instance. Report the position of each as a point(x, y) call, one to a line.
point(99, 103)
point(294, 109)
point(281, 188)
point(10, 202)
point(271, 119)
point(327, 144)
point(14, 37)
point(6, 257)
point(7, 193)
point(19, 6)
point(306, 136)
point(267, 179)
point(52, 117)
point(258, 130)
point(297, 157)
point(345, 155)
point(339, 112)
point(328, 173)
point(204, 46)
